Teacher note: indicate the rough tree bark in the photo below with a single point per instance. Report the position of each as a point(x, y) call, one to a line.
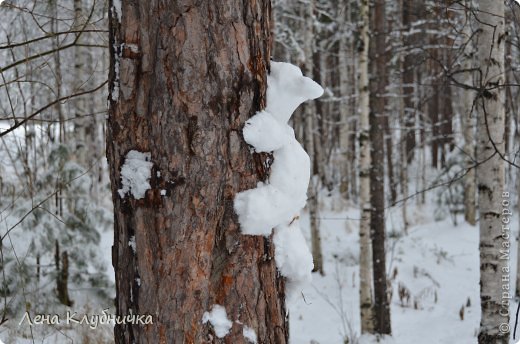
point(377, 177)
point(365, 245)
point(185, 76)
point(494, 239)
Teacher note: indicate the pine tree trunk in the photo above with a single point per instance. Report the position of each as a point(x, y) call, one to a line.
point(184, 79)
point(409, 16)
point(447, 99)
point(377, 177)
point(344, 109)
point(404, 158)
point(389, 160)
point(433, 105)
point(365, 245)
point(491, 173)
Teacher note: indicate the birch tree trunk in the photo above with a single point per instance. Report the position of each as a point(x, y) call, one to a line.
point(365, 245)
point(58, 82)
point(311, 144)
point(377, 178)
point(517, 286)
point(184, 78)
point(80, 106)
point(491, 174)
point(470, 206)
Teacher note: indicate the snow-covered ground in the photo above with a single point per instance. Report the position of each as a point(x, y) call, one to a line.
point(436, 262)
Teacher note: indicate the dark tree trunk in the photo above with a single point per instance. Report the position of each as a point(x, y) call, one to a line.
point(185, 76)
point(389, 161)
point(377, 177)
point(433, 104)
point(409, 16)
point(63, 281)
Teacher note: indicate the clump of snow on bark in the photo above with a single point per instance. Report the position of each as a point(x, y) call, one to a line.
point(133, 47)
point(218, 319)
point(117, 9)
point(249, 334)
point(135, 174)
point(131, 243)
point(292, 254)
point(277, 204)
point(114, 94)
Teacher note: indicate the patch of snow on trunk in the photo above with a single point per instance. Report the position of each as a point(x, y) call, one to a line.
point(249, 334)
point(218, 319)
point(135, 174)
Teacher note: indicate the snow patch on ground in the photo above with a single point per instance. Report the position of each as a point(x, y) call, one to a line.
point(135, 174)
point(218, 319)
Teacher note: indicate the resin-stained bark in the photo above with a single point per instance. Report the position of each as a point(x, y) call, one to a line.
point(185, 76)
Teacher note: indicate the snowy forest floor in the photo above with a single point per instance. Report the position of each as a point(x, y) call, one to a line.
point(437, 262)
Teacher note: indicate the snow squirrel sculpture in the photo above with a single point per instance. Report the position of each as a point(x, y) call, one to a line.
point(277, 203)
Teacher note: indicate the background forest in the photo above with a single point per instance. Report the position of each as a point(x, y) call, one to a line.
point(394, 146)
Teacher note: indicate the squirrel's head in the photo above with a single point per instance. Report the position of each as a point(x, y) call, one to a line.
point(287, 88)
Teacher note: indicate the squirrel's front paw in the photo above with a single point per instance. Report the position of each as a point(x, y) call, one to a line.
point(265, 133)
